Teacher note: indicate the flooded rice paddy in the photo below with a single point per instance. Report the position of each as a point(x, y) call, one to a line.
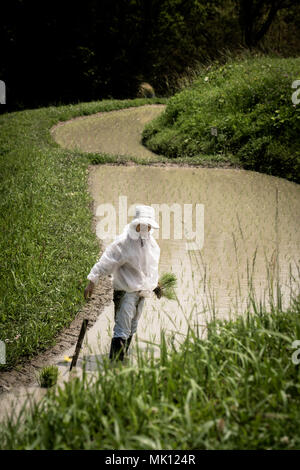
point(244, 236)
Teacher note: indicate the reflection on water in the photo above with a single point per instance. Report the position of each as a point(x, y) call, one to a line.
point(251, 236)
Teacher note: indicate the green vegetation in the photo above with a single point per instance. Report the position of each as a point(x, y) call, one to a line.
point(46, 242)
point(48, 376)
point(167, 283)
point(236, 389)
point(249, 101)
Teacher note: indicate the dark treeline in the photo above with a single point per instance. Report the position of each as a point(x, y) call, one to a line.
point(55, 51)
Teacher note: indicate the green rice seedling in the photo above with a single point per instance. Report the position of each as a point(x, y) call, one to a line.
point(48, 376)
point(166, 285)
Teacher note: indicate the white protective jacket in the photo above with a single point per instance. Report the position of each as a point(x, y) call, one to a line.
point(133, 262)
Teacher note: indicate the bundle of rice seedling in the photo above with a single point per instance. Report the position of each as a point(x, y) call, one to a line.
point(166, 285)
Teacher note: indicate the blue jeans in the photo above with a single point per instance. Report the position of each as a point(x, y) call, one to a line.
point(128, 309)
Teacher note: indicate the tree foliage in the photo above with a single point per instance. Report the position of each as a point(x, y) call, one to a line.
point(257, 16)
point(60, 52)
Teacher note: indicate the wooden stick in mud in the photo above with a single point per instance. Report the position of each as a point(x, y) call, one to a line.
point(79, 343)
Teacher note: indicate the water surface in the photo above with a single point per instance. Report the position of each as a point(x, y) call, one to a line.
point(251, 237)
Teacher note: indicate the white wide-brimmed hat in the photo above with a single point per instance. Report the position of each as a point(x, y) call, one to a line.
point(145, 215)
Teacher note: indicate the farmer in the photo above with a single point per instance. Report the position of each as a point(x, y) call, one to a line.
point(132, 258)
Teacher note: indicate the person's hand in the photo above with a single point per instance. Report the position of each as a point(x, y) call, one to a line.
point(89, 290)
point(158, 291)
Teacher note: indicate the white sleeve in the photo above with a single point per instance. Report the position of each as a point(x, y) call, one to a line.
point(108, 262)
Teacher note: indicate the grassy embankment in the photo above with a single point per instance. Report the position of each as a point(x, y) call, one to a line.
point(249, 101)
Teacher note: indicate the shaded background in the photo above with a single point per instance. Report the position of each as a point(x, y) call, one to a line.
point(58, 52)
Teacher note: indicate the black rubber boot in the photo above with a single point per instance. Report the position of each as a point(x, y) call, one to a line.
point(117, 349)
point(128, 341)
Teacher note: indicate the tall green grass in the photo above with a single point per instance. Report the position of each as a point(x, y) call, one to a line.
point(249, 101)
point(236, 389)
